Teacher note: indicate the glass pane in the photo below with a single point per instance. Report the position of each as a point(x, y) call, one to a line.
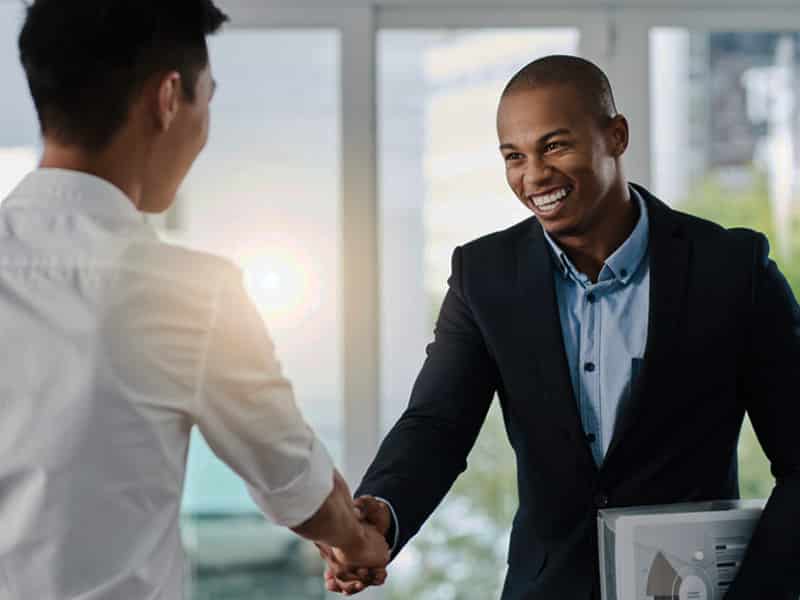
point(265, 193)
point(19, 129)
point(726, 146)
point(442, 183)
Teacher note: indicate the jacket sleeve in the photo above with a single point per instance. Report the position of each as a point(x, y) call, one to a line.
point(770, 376)
point(427, 448)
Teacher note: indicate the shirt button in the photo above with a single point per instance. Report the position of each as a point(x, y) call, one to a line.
point(600, 500)
point(623, 273)
point(591, 438)
point(590, 297)
point(589, 367)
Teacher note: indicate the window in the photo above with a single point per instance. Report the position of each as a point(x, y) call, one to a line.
point(726, 146)
point(265, 193)
point(19, 129)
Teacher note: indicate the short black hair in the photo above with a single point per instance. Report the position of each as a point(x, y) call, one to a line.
point(557, 69)
point(86, 59)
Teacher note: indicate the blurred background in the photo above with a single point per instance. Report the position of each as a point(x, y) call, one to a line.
point(353, 147)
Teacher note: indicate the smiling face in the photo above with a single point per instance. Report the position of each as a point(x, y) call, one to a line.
point(562, 159)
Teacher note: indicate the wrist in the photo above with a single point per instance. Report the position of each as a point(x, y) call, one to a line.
point(353, 540)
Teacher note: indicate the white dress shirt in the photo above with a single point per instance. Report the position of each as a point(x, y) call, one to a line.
point(114, 346)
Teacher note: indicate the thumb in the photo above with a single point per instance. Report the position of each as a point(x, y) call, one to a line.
point(367, 506)
point(375, 512)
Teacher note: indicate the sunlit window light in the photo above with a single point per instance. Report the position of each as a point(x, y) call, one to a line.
point(282, 280)
point(15, 163)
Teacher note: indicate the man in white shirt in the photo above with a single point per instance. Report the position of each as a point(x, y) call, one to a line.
point(116, 345)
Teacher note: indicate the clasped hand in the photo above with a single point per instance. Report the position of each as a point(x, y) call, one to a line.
point(351, 570)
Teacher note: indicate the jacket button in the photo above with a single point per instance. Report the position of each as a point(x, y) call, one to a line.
point(600, 500)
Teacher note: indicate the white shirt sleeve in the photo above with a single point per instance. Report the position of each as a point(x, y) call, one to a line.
point(246, 411)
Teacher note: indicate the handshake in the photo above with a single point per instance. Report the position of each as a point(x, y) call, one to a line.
point(351, 537)
point(363, 563)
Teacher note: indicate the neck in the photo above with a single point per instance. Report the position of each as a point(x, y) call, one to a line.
point(589, 250)
point(107, 164)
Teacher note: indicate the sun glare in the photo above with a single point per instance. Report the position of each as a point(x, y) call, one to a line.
point(282, 281)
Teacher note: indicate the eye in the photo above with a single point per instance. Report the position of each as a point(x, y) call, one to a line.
point(551, 146)
point(513, 156)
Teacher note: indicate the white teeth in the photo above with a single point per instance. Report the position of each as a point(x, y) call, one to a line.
point(548, 201)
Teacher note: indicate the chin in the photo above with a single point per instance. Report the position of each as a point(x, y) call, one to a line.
point(561, 227)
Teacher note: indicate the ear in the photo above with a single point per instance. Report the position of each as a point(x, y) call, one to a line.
point(618, 135)
point(169, 96)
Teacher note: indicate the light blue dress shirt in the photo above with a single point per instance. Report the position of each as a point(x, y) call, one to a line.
point(604, 325)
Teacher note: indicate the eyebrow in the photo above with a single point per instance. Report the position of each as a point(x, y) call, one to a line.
point(541, 140)
point(547, 136)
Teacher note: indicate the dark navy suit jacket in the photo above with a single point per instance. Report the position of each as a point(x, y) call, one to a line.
point(723, 339)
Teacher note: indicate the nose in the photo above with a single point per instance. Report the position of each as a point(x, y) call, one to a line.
point(537, 173)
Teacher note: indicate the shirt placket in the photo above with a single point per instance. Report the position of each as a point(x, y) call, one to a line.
point(588, 367)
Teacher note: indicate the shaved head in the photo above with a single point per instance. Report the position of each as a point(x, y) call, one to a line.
point(586, 77)
point(562, 140)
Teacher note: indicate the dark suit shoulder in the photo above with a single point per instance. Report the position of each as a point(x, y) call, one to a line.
point(488, 264)
point(704, 232)
point(712, 235)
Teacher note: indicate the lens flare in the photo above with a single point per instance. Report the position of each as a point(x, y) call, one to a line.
point(282, 281)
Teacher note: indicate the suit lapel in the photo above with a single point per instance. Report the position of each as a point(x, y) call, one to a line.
point(668, 252)
point(540, 329)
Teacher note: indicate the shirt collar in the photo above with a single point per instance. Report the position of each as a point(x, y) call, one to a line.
point(625, 260)
point(63, 190)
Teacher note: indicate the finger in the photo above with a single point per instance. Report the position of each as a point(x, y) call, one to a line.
point(366, 576)
point(342, 574)
point(375, 512)
point(376, 578)
point(347, 587)
point(331, 584)
point(378, 574)
point(324, 551)
point(365, 503)
point(350, 587)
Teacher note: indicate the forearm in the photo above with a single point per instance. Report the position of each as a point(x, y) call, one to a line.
point(335, 523)
point(413, 470)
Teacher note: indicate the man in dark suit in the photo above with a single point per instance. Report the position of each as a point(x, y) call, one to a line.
point(625, 341)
